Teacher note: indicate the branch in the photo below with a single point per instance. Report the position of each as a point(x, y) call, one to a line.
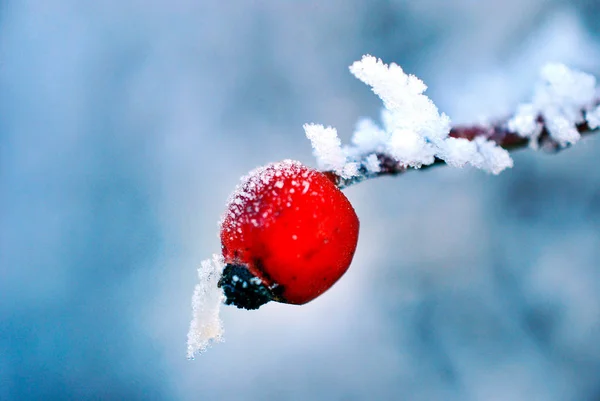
point(498, 133)
point(414, 134)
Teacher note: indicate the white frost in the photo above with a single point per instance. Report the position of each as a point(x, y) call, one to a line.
point(593, 117)
point(206, 326)
point(561, 98)
point(491, 157)
point(372, 164)
point(327, 148)
point(413, 131)
point(525, 123)
point(403, 96)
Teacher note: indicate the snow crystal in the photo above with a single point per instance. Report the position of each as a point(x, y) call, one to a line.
point(593, 117)
point(491, 157)
point(372, 164)
point(460, 151)
point(206, 326)
point(413, 131)
point(560, 99)
point(403, 96)
point(410, 147)
point(368, 136)
point(525, 123)
point(328, 150)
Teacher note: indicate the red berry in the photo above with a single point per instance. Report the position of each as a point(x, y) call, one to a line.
point(288, 235)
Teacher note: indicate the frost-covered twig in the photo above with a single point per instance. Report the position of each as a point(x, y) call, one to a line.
point(497, 133)
point(414, 134)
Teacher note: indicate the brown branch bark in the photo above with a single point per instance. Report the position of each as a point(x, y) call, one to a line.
point(498, 133)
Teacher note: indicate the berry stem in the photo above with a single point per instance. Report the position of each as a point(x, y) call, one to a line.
point(497, 132)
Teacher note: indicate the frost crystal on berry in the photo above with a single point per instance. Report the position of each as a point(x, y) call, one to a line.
point(252, 184)
point(206, 326)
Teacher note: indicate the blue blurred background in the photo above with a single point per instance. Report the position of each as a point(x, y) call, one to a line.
point(124, 126)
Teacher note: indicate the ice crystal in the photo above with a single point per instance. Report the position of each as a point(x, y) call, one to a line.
point(413, 131)
point(206, 326)
point(562, 99)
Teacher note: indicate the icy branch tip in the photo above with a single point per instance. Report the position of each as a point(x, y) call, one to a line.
point(563, 99)
point(206, 326)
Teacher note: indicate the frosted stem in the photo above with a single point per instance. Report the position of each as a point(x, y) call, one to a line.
point(498, 133)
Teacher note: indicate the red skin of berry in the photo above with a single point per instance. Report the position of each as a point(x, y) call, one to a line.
point(292, 228)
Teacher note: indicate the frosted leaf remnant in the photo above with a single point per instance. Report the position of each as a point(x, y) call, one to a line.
point(413, 131)
point(206, 326)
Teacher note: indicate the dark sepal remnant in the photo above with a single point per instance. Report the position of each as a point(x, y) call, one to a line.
point(243, 289)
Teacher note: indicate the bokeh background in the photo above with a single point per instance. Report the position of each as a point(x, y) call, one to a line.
point(125, 125)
